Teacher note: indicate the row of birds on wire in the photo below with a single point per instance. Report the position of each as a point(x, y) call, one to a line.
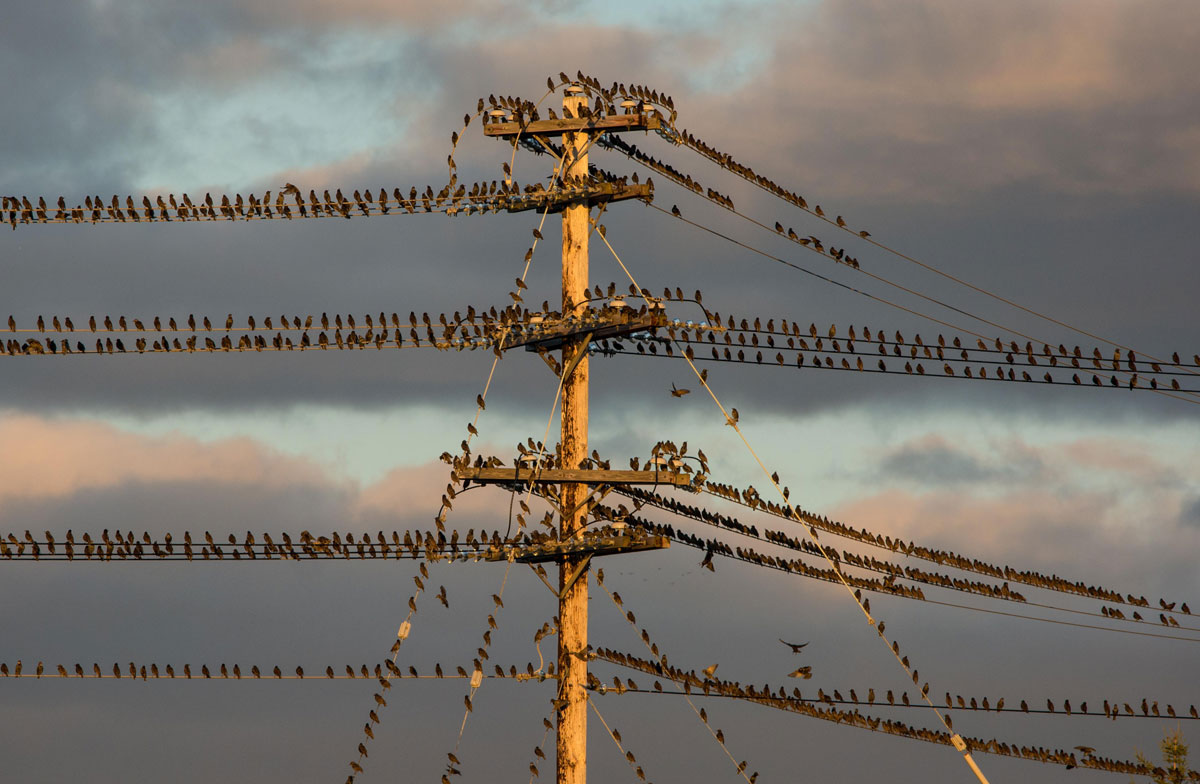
point(409, 543)
point(728, 339)
point(781, 699)
point(289, 203)
point(383, 672)
point(889, 584)
point(989, 590)
point(750, 498)
point(1149, 708)
point(779, 538)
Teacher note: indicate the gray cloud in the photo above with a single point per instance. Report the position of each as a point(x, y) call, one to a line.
point(1189, 515)
point(936, 462)
point(938, 100)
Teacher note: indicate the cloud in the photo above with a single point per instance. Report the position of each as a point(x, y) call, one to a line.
point(1189, 513)
point(1072, 517)
point(933, 461)
point(59, 457)
point(65, 472)
point(937, 99)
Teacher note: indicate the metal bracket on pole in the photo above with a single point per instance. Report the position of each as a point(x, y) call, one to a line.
point(579, 355)
point(587, 559)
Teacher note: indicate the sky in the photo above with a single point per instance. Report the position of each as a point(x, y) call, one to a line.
point(1045, 152)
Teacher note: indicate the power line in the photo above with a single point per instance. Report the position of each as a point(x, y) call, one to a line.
point(779, 700)
point(1109, 711)
point(727, 162)
point(934, 579)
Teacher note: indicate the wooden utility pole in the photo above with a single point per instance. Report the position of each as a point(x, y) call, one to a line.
point(571, 706)
point(575, 330)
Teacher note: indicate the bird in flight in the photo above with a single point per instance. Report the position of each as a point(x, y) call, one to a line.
point(677, 392)
point(796, 648)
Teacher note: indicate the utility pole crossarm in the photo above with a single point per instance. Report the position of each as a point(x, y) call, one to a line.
point(588, 545)
point(572, 476)
point(554, 201)
point(641, 121)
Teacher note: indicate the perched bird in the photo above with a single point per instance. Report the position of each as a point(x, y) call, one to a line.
point(732, 418)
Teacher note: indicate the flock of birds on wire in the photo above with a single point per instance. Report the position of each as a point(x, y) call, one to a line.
point(729, 340)
point(757, 341)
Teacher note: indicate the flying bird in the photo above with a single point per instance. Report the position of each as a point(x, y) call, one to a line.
point(796, 647)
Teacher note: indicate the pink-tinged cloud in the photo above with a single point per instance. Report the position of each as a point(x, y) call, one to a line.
point(1132, 460)
point(54, 458)
point(47, 460)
